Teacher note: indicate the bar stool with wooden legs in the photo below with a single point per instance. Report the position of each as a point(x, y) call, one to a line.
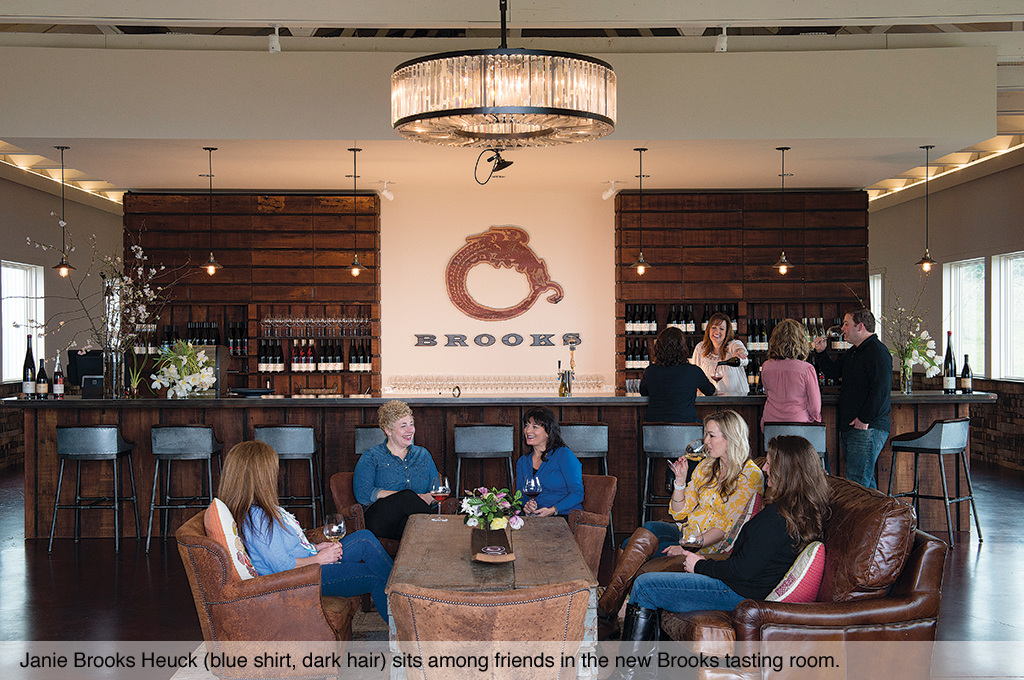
point(943, 438)
point(182, 443)
point(99, 443)
point(590, 440)
point(482, 440)
point(296, 443)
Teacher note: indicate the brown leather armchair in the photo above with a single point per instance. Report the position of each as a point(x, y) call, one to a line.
point(589, 526)
point(882, 582)
point(286, 606)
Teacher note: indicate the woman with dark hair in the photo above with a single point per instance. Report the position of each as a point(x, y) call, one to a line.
point(356, 565)
point(794, 516)
point(671, 383)
point(719, 344)
point(556, 467)
point(790, 383)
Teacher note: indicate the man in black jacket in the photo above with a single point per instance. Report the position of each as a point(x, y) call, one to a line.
point(863, 413)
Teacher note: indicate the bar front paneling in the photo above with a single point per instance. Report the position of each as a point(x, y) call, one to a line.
point(333, 421)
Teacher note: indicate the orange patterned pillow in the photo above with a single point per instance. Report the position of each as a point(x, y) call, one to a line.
point(221, 527)
point(801, 582)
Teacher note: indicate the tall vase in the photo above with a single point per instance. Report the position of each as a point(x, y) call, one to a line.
point(907, 379)
point(113, 375)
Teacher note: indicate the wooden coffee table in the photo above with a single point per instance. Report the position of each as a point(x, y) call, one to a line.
point(437, 555)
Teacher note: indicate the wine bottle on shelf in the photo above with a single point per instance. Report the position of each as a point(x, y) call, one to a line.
point(758, 387)
point(752, 376)
point(671, 321)
point(733, 310)
point(707, 317)
point(28, 377)
point(652, 322)
point(628, 319)
point(261, 361)
point(42, 381)
point(966, 378)
point(353, 358)
point(949, 367)
point(57, 386)
point(762, 338)
point(691, 322)
point(645, 360)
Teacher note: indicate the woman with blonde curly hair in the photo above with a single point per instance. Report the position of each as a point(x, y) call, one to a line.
point(790, 383)
point(393, 478)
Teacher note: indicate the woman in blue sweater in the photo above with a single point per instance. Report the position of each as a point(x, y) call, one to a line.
point(556, 467)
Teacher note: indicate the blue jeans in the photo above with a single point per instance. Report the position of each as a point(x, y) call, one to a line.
point(861, 449)
point(364, 568)
point(667, 532)
point(681, 592)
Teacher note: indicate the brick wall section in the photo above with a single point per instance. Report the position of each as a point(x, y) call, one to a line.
point(997, 430)
point(12, 430)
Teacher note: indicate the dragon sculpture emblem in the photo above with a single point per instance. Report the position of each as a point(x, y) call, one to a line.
point(500, 247)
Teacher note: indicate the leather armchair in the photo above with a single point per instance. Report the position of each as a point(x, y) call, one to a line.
point(345, 503)
point(882, 582)
point(286, 606)
point(589, 526)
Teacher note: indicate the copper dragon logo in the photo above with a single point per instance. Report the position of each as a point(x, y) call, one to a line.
point(500, 247)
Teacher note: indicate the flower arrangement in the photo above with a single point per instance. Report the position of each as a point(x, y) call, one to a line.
point(495, 508)
point(183, 370)
point(911, 345)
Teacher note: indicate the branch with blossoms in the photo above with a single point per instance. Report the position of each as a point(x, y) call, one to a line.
point(494, 508)
point(911, 344)
point(132, 294)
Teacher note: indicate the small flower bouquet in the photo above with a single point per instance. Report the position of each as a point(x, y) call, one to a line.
point(183, 370)
point(493, 509)
point(918, 349)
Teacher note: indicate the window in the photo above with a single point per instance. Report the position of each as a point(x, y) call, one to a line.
point(21, 292)
point(1008, 317)
point(963, 304)
point(875, 300)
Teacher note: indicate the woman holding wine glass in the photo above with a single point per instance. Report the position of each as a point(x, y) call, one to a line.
point(790, 383)
point(393, 479)
point(722, 357)
point(704, 510)
point(552, 464)
point(353, 565)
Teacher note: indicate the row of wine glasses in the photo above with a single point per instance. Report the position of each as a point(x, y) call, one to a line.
point(457, 385)
point(314, 327)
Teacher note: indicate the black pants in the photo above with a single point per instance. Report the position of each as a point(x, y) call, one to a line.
point(387, 516)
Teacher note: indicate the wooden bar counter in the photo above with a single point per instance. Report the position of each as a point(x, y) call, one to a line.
point(333, 421)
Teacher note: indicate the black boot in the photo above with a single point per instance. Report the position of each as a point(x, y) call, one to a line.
point(640, 633)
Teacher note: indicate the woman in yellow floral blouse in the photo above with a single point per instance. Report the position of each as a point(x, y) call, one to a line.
point(709, 507)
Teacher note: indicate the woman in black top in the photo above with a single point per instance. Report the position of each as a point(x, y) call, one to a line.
point(797, 503)
point(671, 382)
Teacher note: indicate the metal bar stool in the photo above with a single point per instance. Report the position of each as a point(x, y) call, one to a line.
point(590, 440)
point(664, 440)
point(368, 436)
point(180, 442)
point(943, 438)
point(812, 432)
point(481, 440)
point(295, 442)
point(94, 442)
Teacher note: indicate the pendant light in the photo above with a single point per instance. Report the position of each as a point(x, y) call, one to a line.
point(62, 267)
point(783, 264)
point(926, 263)
point(640, 266)
point(211, 265)
point(356, 268)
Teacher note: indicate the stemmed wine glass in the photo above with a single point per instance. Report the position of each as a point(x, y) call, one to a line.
point(334, 528)
point(692, 537)
point(440, 490)
point(695, 450)
point(716, 375)
point(532, 488)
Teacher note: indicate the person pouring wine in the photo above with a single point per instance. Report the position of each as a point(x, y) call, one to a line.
point(722, 357)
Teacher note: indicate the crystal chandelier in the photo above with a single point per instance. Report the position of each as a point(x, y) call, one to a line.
point(503, 98)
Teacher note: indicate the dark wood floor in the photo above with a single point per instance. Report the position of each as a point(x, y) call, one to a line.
point(86, 592)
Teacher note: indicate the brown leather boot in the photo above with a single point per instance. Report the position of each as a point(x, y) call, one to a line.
point(642, 545)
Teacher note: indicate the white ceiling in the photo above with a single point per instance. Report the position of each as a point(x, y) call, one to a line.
point(687, 154)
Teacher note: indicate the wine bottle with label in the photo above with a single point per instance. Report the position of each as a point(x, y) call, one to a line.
point(28, 378)
point(42, 381)
point(949, 367)
point(966, 378)
point(57, 384)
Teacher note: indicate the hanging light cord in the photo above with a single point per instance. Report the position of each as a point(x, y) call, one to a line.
point(641, 150)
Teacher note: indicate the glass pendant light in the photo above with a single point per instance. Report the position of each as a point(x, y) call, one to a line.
point(62, 267)
point(926, 263)
point(211, 265)
point(356, 269)
point(783, 264)
point(640, 266)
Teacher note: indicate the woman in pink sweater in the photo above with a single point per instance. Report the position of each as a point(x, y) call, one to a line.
point(791, 384)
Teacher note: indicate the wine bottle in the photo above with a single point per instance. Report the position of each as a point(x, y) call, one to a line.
point(949, 367)
point(645, 360)
point(671, 321)
point(707, 317)
point(732, 318)
point(58, 379)
point(652, 323)
point(42, 381)
point(752, 377)
point(966, 378)
point(628, 320)
point(691, 321)
point(28, 378)
point(731, 361)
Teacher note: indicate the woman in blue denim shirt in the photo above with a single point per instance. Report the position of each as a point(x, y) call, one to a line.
point(393, 479)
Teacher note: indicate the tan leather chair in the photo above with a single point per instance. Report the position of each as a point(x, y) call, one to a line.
point(431, 621)
point(345, 503)
point(286, 606)
point(589, 526)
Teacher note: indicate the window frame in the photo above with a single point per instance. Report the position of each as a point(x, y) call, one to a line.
point(34, 310)
point(1002, 313)
point(952, 315)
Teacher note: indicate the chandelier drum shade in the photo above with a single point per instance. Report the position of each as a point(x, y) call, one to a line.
point(503, 98)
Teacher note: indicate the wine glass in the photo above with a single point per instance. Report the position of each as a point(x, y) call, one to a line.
point(834, 332)
point(695, 450)
point(692, 538)
point(440, 490)
point(532, 488)
point(334, 528)
point(716, 375)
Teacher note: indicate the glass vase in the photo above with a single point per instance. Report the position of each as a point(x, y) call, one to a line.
point(113, 375)
point(907, 379)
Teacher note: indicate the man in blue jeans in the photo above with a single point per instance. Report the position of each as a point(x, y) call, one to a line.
point(863, 412)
